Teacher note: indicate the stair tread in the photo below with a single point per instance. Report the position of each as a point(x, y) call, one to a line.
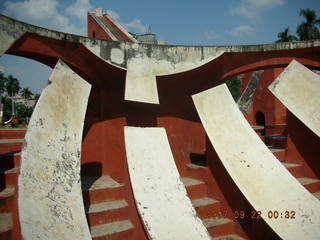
point(102, 182)
point(205, 201)
point(11, 170)
point(191, 181)
point(306, 180)
point(15, 140)
point(291, 165)
point(228, 237)
point(7, 192)
point(257, 127)
point(195, 166)
point(317, 195)
point(273, 149)
point(110, 228)
point(5, 222)
point(214, 222)
point(107, 206)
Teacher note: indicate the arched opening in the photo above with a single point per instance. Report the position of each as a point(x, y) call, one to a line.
point(260, 121)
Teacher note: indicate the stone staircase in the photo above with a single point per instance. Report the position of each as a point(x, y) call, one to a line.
point(106, 208)
point(11, 141)
point(104, 199)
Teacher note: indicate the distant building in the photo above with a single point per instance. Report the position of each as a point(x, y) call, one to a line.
point(103, 26)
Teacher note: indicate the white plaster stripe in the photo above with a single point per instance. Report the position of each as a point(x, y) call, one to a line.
point(263, 180)
point(298, 88)
point(160, 196)
point(141, 83)
point(50, 199)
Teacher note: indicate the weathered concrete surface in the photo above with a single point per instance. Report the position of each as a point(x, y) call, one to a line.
point(50, 199)
point(263, 180)
point(246, 99)
point(298, 88)
point(160, 195)
point(175, 55)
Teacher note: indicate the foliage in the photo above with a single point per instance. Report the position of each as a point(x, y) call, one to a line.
point(234, 85)
point(26, 93)
point(285, 36)
point(12, 85)
point(308, 29)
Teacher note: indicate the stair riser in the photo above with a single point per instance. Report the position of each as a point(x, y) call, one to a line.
point(8, 179)
point(280, 155)
point(197, 191)
point(96, 196)
point(6, 205)
point(210, 211)
point(108, 216)
point(12, 147)
point(222, 230)
point(296, 171)
point(12, 134)
point(196, 173)
point(117, 236)
point(313, 187)
point(280, 143)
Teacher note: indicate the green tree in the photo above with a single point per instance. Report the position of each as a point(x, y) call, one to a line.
point(234, 85)
point(285, 36)
point(308, 30)
point(12, 86)
point(26, 93)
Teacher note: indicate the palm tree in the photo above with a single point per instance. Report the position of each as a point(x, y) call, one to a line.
point(26, 94)
point(12, 87)
point(308, 29)
point(285, 36)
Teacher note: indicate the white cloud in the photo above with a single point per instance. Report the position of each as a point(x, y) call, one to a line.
point(252, 8)
point(211, 35)
point(42, 12)
point(242, 29)
point(79, 9)
point(113, 14)
point(136, 26)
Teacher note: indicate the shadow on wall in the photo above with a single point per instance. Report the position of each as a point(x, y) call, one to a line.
point(306, 143)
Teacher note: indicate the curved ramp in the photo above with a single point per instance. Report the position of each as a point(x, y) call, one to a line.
point(266, 184)
point(160, 195)
point(50, 199)
point(298, 88)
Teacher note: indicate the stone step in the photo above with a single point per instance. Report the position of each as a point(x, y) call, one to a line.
point(194, 166)
point(105, 231)
point(195, 188)
point(107, 211)
point(229, 237)
point(7, 192)
point(279, 141)
point(8, 177)
point(317, 195)
point(7, 199)
point(207, 207)
point(5, 222)
point(220, 226)
point(311, 184)
point(101, 188)
point(279, 153)
point(188, 182)
point(295, 169)
point(201, 202)
point(10, 145)
point(214, 222)
point(12, 133)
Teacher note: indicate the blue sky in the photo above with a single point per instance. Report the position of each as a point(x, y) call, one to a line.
point(188, 22)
